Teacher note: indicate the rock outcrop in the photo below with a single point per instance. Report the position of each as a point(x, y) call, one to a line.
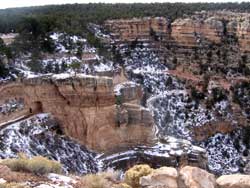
point(84, 107)
point(234, 181)
point(140, 176)
point(194, 177)
point(203, 28)
point(190, 32)
point(137, 28)
point(171, 152)
point(191, 177)
point(165, 177)
point(243, 33)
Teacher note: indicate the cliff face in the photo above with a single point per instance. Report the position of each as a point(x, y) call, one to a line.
point(194, 79)
point(85, 108)
point(187, 32)
point(191, 32)
point(243, 33)
point(141, 29)
point(194, 31)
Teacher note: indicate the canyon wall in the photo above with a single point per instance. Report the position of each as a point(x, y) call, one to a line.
point(197, 50)
point(137, 28)
point(201, 28)
point(243, 33)
point(191, 32)
point(84, 107)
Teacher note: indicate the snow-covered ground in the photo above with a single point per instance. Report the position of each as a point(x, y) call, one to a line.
point(226, 152)
point(11, 105)
point(119, 87)
point(34, 136)
point(66, 43)
point(70, 50)
point(176, 113)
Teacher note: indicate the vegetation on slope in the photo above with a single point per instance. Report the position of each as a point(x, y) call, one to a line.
point(37, 165)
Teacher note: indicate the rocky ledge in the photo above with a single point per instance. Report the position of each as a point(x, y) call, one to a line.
point(85, 107)
point(168, 152)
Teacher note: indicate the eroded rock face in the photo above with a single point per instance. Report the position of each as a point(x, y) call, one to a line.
point(194, 177)
point(203, 28)
point(190, 32)
point(164, 177)
point(85, 108)
point(243, 31)
point(138, 28)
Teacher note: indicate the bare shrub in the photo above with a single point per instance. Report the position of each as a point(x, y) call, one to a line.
point(38, 165)
point(107, 179)
point(132, 176)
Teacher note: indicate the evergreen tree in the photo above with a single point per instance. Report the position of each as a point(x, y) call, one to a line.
point(64, 66)
point(75, 65)
point(4, 72)
point(57, 68)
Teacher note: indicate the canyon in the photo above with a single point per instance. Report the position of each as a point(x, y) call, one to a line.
point(191, 74)
point(175, 93)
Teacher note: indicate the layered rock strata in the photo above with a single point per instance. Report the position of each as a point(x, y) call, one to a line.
point(169, 152)
point(84, 107)
point(137, 28)
point(243, 33)
point(194, 31)
point(190, 32)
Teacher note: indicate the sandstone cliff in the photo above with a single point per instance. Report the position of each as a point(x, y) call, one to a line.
point(191, 32)
point(84, 107)
point(137, 28)
point(203, 28)
point(243, 33)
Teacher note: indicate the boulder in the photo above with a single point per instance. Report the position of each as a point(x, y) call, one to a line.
point(234, 181)
point(165, 177)
point(194, 177)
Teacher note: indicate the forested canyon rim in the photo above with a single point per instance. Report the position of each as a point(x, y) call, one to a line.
point(152, 90)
